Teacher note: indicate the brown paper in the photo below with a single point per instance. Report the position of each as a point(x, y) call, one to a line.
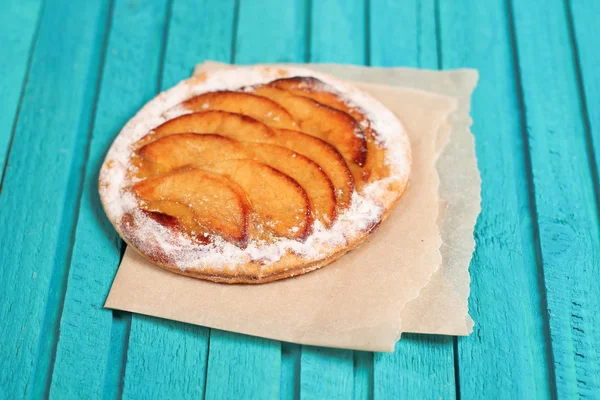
point(442, 306)
point(357, 301)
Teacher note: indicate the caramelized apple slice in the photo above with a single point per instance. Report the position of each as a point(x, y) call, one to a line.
point(176, 216)
point(374, 167)
point(235, 126)
point(307, 173)
point(333, 126)
point(183, 149)
point(260, 108)
point(246, 129)
point(188, 149)
point(326, 156)
point(219, 207)
point(280, 203)
point(317, 90)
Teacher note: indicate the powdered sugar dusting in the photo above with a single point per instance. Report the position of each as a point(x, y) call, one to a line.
point(364, 212)
point(189, 254)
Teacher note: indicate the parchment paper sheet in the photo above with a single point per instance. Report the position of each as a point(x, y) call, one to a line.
point(442, 306)
point(357, 301)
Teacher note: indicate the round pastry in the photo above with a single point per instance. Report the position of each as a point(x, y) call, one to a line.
point(254, 174)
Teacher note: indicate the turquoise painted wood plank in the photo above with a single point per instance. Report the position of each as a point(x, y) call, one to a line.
point(326, 373)
point(507, 354)
point(583, 14)
point(363, 375)
point(165, 359)
point(209, 24)
point(420, 367)
point(91, 341)
point(39, 201)
point(18, 27)
point(567, 214)
point(404, 34)
point(338, 32)
point(289, 388)
point(278, 37)
point(259, 359)
point(176, 368)
point(582, 22)
point(117, 354)
point(271, 31)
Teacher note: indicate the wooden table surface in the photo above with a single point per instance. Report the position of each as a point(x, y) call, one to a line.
point(72, 72)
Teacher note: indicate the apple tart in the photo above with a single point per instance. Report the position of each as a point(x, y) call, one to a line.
point(254, 174)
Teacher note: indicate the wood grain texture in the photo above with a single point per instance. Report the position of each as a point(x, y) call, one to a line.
point(506, 356)
point(198, 31)
point(242, 367)
point(88, 334)
point(165, 360)
point(582, 15)
point(289, 386)
point(326, 373)
point(343, 42)
point(363, 375)
point(404, 34)
point(422, 366)
point(39, 202)
point(18, 27)
point(271, 31)
point(176, 368)
point(566, 208)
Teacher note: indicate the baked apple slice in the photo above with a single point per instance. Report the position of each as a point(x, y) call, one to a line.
point(243, 128)
point(217, 205)
point(187, 149)
point(260, 108)
point(334, 126)
point(235, 126)
point(279, 203)
point(174, 215)
point(326, 156)
point(374, 167)
point(306, 172)
point(192, 150)
point(317, 90)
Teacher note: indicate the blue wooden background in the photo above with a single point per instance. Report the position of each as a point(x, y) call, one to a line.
point(72, 72)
